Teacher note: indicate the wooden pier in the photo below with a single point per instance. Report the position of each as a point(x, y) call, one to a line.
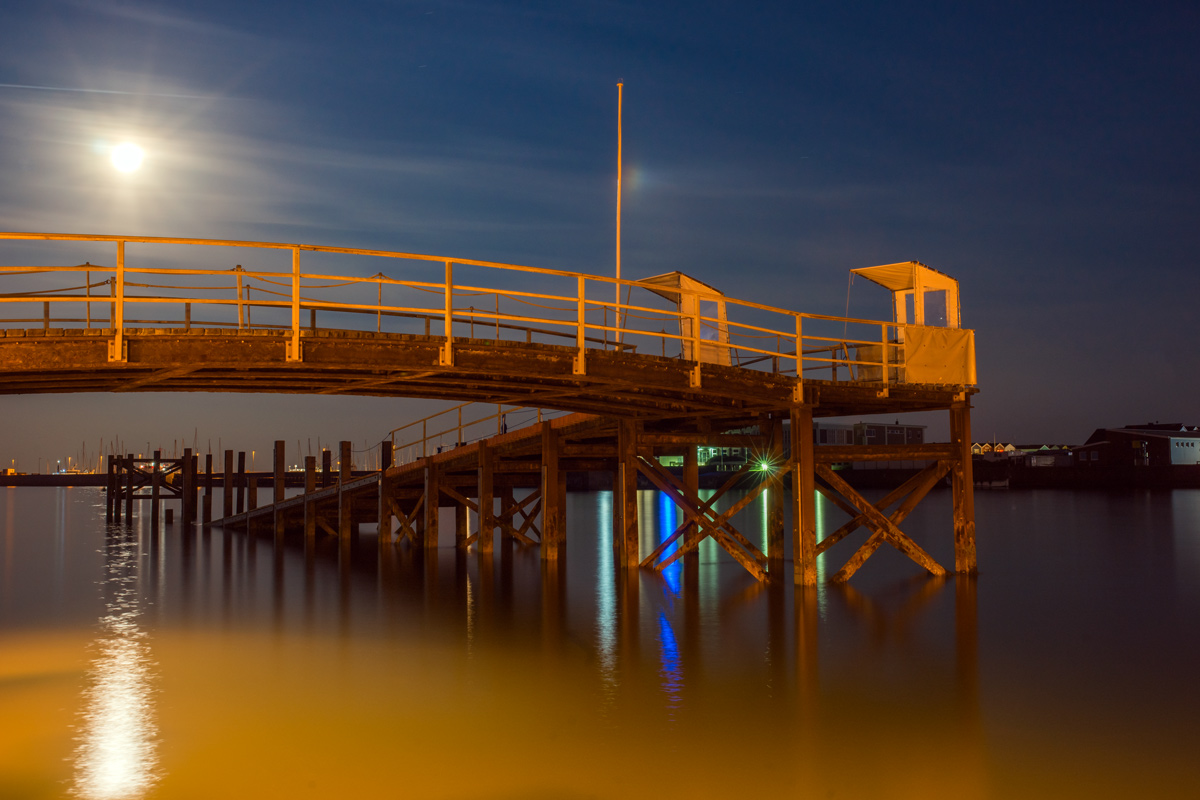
point(646, 368)
point(478, 483)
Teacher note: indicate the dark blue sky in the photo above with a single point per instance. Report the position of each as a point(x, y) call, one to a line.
point(1043, 155)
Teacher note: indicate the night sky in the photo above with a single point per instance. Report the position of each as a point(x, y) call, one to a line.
point(1044, 156)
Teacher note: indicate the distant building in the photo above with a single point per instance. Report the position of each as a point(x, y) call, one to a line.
point(1151, 445)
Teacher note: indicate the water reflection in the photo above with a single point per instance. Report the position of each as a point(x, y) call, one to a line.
point(117, 752)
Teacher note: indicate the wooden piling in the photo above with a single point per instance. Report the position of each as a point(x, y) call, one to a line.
point(110, 491)
point(487, 520)
point(345, 462)
point(625, 494)
point(962, 487)
point(252, 493)
point(310, 508)
point(326, 468)
point(227, 486)
point(155, 488)
point(345, 501)
point(206, 510)
point(804, 520)
point(129, 478)
point(187, 498)
point(691, 482)
point(433, 503)
point(241, 481)
point(280, 473)
point(775, 500)
point(552, 513)
point(462, 516)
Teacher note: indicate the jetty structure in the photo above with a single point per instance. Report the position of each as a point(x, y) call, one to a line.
point(646, 369)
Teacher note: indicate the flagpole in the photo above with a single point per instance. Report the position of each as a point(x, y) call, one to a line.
point(617, 307)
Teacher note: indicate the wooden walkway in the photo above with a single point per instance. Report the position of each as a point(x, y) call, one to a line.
point(477, 481)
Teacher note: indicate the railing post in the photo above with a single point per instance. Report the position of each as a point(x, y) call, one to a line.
point(116, 347)
point(87, 292)
point(446, 358)
point(241, 309)
point(798, 390)
point(294, 352)
point(885, 356)
point(695, 375)
point(580, 367)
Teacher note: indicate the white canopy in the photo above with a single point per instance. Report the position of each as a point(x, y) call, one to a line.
point(912, 280)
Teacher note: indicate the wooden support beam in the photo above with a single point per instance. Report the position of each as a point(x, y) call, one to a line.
point(804, 518)
point(486, 508)
point(326, 468)
point(155, 488)
point(963, 488)
point(703, 440)
point(719, 528)
point(691, 485)
point(689, 504)
point(838, 453)
point(505, 518)
point(688, 520)
point(553, 514)
point(775, 500)
point(110, 488)
point(241, 481)
point(345, 513)
point(129, 478)
point(625, 505)
point(461, 524)
point(433, 504)
point(206, 511)
point(929, 477)
point(881, 524)
point(384, 514)
point(901, 491)
point(187, 512)
point(345, 462)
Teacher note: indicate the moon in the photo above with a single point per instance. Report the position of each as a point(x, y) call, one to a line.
point(127, 157)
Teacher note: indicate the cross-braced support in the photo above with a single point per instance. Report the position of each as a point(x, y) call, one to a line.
point(814, 473)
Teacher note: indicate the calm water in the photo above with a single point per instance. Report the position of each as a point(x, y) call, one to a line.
point(209, 665)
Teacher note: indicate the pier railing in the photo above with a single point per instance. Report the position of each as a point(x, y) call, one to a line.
point(459, 425)
point(116, 284)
